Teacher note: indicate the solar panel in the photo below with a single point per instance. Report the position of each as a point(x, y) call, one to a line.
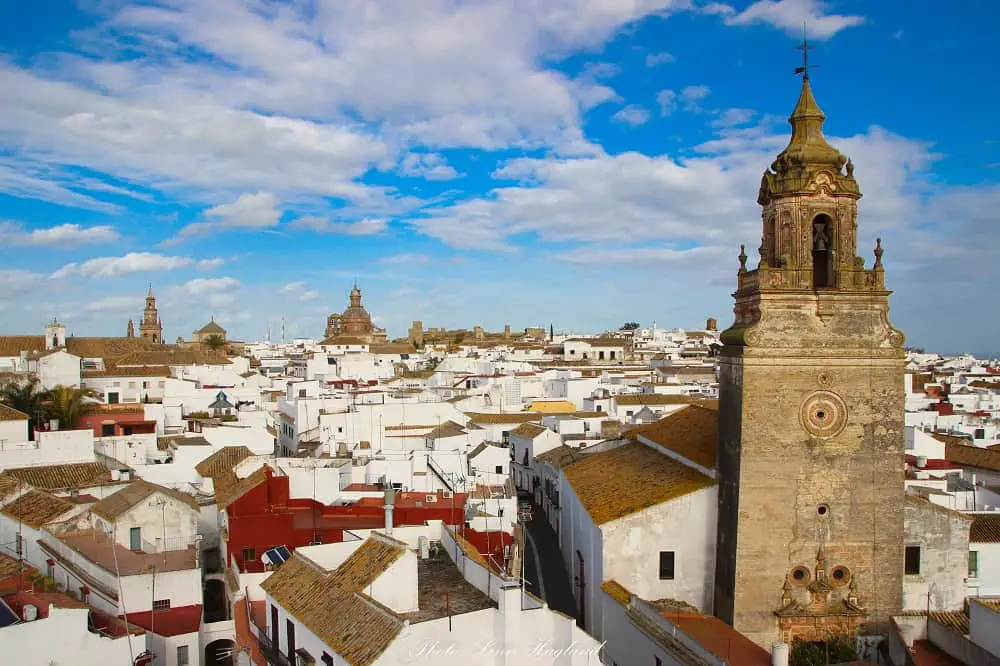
point(278, 555)
point(7, 616)
point(284, 553)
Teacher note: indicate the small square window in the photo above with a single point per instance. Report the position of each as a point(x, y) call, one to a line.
point(499, 469)
point(666, 565)
point(182, 655)
point(249, 555)
point(912, 565)
point(161, 604)
point(973, 564)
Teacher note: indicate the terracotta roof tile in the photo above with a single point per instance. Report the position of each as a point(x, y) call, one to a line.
point(118, 503)
point(70, 476)
point(528, 431)
point(8, 485)
point(616, 483)
point(36, 508)
point(231, 492)
point(957, 621)
point(971, 456)
point(689, 432)
point(8, 413)
point(721, 640)
point(560, 456)
point(659, 399)
point(332, 604)
point(446, 429)
point(13, 345)
point(520, 417)
point(615, 590)
point(225, 459)
point(985, 528)
point(111, 370)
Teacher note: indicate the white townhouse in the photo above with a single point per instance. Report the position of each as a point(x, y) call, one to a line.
point(595, 350)
point(644, 514)
point(378, 602)
point(527, 441)
point(984, 556)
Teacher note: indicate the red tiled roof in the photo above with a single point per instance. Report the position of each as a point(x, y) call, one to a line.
point(721, 640)
point(926, 654)
point(171, 622)
point(244, 635)
point(932, 463)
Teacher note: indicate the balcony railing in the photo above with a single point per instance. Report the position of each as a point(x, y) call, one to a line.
point(271, 652)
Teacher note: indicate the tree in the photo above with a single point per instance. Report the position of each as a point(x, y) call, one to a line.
point(215, 342)
point(630, 326)
point(836, 650)
point(25, 396)
point(68, 404)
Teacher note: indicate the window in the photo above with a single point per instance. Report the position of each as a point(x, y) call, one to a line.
point(107, 429)
point(600, 356)
point(163, 384)
point(327, 660)
point(145, 385)
point(182, 655)
point(658, 661)
point(912, 561)
point(666, 565)
point(249, 555)
point(161, 604)
point(290, 633)
point(980, 433)
point(340, 429)
point(973, 564)
point(572, 352)
point(612, 356)
point(131, 385)
point(112, 398)
point(499, 469)
point(628, 413)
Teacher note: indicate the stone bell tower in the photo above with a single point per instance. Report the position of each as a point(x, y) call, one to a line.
point(810, 443)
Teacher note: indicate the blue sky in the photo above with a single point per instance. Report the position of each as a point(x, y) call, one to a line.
point(575, 162)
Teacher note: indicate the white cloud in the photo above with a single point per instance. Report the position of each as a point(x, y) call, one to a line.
point(788, 15)
point(405, 258)
point(600, 70)
point(300, 291)
point(365, 227)
point(249, 211)
point(657, 59)
point(733, 117)
point(667, 99)
point(427, 165)
point(214, 292)
point(632, 114)
point(692, 96)
point(133, 262)
point(71, 235)
point(114, 304)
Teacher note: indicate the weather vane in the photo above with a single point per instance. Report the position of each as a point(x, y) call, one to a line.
point(805, 48)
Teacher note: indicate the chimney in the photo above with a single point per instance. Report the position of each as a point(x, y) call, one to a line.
point(390, 501)
point(921, 461)
point(779, 654)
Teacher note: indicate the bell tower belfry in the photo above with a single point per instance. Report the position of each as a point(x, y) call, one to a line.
point(811, 435)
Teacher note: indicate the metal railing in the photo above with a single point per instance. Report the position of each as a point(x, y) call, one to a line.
point(271, 653)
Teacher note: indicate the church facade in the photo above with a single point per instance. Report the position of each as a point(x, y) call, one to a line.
point(354, 322)
point(810, 435)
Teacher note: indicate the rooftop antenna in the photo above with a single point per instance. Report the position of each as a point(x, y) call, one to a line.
point(805, 48)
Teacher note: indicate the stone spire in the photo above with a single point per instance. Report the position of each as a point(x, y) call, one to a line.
point(808, 147)
point(131, 329)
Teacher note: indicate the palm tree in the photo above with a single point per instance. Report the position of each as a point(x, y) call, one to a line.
point(215, 342)
point(68, 404)
point(25, 395)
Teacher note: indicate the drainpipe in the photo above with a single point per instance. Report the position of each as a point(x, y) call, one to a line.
point(390, 501)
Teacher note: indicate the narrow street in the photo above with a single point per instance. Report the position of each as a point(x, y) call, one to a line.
point(544, 570)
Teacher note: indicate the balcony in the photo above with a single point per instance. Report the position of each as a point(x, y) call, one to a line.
point(271, 652)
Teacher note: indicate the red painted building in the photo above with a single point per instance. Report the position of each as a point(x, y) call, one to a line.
point(265, 516)
point(117, 420)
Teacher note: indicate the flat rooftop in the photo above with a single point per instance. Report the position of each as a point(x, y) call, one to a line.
point(97, 547)
point(443, 591)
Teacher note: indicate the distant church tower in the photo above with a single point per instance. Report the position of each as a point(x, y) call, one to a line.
point(810, 443)
point(151, 327)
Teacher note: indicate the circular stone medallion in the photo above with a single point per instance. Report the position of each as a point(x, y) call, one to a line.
point(823, 414)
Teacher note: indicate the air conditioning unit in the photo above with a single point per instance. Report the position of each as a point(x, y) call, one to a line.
point(447, 494)
point(430, 498)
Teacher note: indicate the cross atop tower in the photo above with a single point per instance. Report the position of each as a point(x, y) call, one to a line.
point(805, 48)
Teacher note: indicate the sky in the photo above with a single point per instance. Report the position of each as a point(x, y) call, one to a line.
point(580, 163)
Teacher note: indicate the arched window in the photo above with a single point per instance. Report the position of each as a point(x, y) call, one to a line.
point(822, 253)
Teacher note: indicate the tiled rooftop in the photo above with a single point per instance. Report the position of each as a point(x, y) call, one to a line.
point(985, 529)
point(118, 503)
point(689, 432)
point(616, 483)
point(36, 508)
point(70, 476)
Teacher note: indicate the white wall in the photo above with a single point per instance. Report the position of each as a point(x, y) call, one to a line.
point(166, 523)
point(685, 526)
point(182, 588)
point(943, 538)
point(63, 638)
point(987, 582)
point(13, 431)
point(59, 369)
point(51, 448)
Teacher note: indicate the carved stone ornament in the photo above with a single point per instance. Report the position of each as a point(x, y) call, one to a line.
point(823, 380)
point(751, 338)
point(823, 414)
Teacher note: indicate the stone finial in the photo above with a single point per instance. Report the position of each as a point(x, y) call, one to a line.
point(786, 593)
point(852, 592)
point(878, 253)
point(850, 168)
point(743, 259)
